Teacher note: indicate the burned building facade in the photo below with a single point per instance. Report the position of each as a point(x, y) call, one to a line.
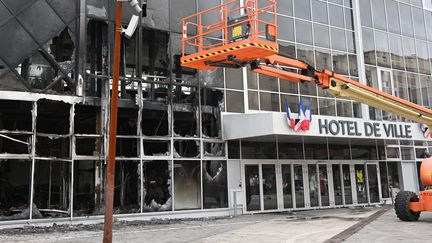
point(193, 143)
point(55, 71)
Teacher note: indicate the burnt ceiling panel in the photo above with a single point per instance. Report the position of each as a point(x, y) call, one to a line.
point(41, 20)
point(4, 13)
point(66, 9)
point(17, 45)
point(17, 5)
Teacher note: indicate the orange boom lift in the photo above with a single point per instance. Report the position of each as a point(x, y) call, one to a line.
point(245, 35)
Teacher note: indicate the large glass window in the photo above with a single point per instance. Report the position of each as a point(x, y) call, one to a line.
point(406, 20)
point(393, 16)
point(378, 13)
point(215, 188)
point(369, 46)
point(319, 10)
point(396, 52)
point(302, 9)
point(304, 32)
point(365, 13)
point(187, 181)
point(382, 49)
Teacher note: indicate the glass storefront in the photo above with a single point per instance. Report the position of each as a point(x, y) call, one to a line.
point(298, 185)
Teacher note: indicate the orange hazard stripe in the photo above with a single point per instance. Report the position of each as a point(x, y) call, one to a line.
point(227, 50)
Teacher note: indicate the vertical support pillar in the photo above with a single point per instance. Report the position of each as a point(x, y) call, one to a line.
point(81, 38)
point(140, 104)
point(72, 153)
point(359, 51)
point(33, 154)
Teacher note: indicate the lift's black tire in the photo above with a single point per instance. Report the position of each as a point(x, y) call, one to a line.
point(401, 206)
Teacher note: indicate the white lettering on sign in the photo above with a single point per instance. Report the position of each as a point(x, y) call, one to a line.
point(368, 129)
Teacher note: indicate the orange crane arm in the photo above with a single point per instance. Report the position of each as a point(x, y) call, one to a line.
point(341, 86)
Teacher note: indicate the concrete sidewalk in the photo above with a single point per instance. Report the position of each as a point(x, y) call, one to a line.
point(303, 226)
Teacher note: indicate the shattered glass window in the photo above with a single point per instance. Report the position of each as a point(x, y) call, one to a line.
point(215, 188)
point(15, 190)
point(127, 187)
point(86, 194)
point(157, 186)
point(187, 181)
point(52, 189)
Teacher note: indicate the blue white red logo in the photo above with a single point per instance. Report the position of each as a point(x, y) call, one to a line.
point(304, 117)
point(425, 130)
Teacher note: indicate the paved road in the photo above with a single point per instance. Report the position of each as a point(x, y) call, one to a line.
point(388, 228)
point(309, 226)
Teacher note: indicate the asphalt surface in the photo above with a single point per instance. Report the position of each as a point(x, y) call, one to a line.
point(333, 225)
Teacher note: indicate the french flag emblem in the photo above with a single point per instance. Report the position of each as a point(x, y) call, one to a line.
point(304, 117)
point(425, 130)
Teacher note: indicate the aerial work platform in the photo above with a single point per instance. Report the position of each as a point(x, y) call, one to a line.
point(240, 35)
point(241, 52)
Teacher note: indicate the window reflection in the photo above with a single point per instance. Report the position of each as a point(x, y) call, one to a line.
point(322, 36)
point(393, 16)
point(269, 101)
point(303, 32)
point(323, 59)
point(337, 16)
point(382, 49)
point(338, 40)
point(287, 32)
point(302, 9)
point(397, 59)
point(378, 13)
point(368, 46)
point(406, 20)
point(319, 10)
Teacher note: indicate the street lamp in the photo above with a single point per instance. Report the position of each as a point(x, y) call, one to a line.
point(109, 186)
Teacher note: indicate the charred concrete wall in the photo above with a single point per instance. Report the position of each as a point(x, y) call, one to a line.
point(54, 113)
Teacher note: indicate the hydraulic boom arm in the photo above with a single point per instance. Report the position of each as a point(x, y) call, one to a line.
point(340, 86)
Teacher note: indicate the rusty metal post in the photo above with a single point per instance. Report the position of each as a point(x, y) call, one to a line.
point(110, 172)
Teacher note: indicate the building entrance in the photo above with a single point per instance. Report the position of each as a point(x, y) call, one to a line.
point(279, 185)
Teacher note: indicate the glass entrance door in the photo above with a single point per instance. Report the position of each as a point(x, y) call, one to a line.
point(360, 175)
point(260, 187)
point(299, 186)
point(269, 186)
point(337, 184)
point(372, 179)
point(323, 185)
point(287, 186)
point(313, 185)
point(252, 181)
point(347, 188)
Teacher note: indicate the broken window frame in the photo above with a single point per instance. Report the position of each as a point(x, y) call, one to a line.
point(62, 212)
point(220, 153)
point(219, 180)
point(178, 172)
point(167, 155)
point(157, 206)
point(135, 141)
point(16, 211)
point(187, 141)
point(98, 145)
